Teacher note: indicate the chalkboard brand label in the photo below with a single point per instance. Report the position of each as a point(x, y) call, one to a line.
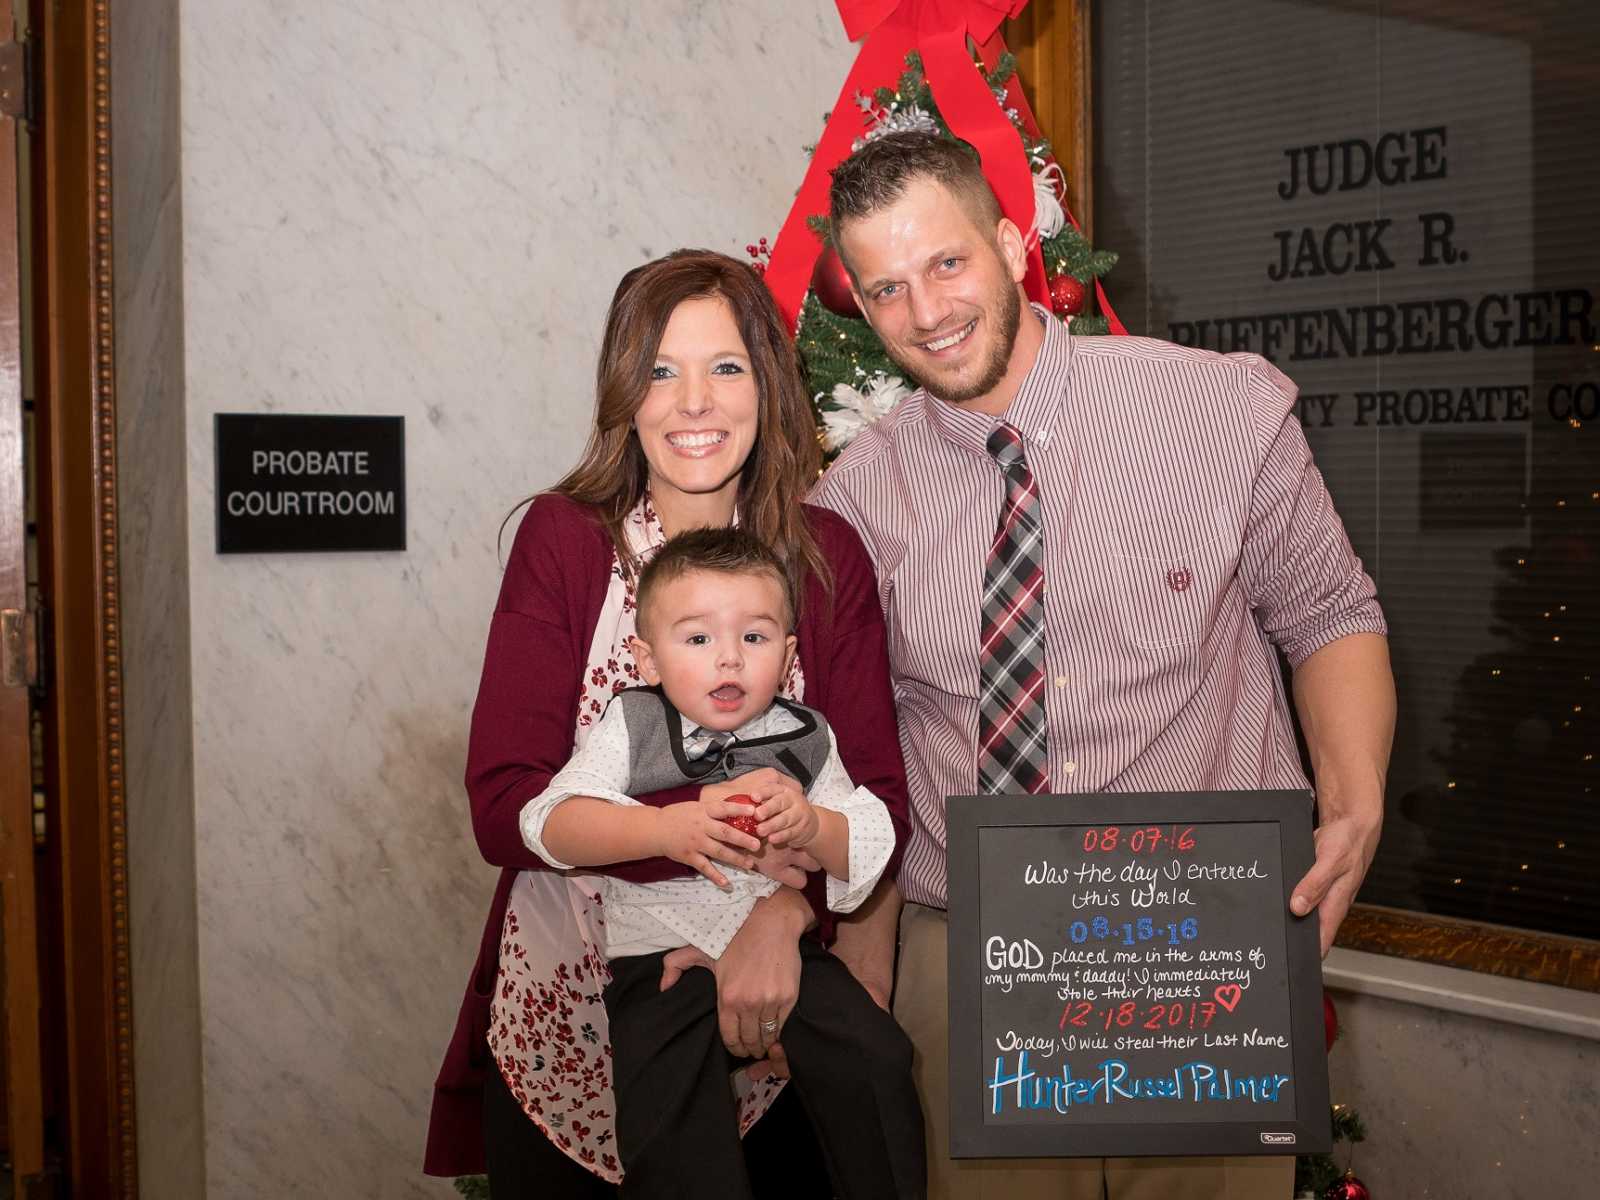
point(296, 483)
point(1131, 982)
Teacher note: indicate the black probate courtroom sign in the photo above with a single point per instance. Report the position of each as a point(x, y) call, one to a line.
point(1132, 982)
point(290, 483)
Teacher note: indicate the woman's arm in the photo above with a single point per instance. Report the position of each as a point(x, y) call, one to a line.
point(527, 701)
point(859, 705)
point(858, 699)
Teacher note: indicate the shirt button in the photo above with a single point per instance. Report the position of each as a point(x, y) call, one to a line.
point(1069, 768)
point(1061, 681)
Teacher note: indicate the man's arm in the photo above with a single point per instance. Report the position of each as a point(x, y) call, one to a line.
point(1344, 694)
point(1318, 606)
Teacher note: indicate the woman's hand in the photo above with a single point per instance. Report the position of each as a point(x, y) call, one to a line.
point(789, 867)
point(758, 975)
point(695, 835)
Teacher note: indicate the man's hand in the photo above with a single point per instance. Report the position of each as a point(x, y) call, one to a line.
point(1345, 846)
point(1344, 694)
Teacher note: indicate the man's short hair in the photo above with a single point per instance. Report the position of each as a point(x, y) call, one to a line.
point(878, 174)
point(727, 550)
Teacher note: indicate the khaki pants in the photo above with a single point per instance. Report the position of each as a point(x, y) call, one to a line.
point(921, 1006)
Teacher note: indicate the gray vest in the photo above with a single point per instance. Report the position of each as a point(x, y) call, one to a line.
point(655, 743)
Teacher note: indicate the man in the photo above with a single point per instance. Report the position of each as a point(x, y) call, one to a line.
point(1087, 549)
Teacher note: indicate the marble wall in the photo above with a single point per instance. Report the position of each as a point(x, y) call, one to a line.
point(1462, 1108)
point(152, 523)
point(406, 207)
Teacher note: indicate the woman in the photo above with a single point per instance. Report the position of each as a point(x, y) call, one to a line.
point(701, 419)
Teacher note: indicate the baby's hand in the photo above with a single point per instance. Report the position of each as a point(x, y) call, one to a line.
point(694, 834)
point(788, 819)
point(744, 822)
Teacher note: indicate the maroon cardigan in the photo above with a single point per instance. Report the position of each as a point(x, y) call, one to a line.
point(550, 599)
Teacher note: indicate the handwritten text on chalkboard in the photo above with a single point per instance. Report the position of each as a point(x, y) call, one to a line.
point(1132, 974)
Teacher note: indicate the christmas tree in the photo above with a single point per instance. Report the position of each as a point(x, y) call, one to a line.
point(1319, 1175)
point(852, 379)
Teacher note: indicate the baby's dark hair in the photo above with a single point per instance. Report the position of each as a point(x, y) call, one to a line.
point(726, 550)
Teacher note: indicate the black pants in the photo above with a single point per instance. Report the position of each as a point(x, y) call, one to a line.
point(849, 1061)
point(781, 1154)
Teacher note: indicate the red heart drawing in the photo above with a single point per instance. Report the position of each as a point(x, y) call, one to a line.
point(1228, 995)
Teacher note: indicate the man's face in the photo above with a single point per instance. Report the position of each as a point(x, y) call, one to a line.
point(718, 644)
point(940, 292)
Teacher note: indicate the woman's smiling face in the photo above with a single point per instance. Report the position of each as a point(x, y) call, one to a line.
point(697, 423)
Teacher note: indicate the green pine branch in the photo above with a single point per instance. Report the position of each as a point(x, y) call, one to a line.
point(834, 349)
point(1316, 1173)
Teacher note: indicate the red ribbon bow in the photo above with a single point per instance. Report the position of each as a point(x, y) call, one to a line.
point(938, 30)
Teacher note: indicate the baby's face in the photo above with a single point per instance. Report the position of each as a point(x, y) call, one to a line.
point(718, 644)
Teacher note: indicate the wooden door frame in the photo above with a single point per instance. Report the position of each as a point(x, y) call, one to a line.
point(73, 344)
point(24, 1084)
point(1051, 41)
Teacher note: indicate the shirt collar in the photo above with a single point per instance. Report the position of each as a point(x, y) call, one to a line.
point(1035, 409)
point(697, 741)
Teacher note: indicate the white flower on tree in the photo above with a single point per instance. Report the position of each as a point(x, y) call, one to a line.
point(895, 120)
point(1049, 218)
point(856, 409)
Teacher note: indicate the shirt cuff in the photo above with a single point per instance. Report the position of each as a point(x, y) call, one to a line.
point(871, 844)
point(531, 820)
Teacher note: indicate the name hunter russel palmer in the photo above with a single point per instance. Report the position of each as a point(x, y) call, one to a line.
point(1112, 1081)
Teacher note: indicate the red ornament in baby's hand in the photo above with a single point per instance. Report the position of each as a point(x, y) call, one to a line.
point(743, 822)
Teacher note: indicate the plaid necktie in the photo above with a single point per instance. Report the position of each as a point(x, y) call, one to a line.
point(1011, 720)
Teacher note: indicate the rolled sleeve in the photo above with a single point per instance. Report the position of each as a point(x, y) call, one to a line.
point(1304, 580)
point(872, 833)
point(599, 770)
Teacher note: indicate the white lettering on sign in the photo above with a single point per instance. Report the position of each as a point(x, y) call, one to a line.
point(308, 462)
point(310, 504)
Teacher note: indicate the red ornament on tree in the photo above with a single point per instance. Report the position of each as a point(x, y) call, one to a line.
point(831, 283)
point(1348, 1188)
point(1330, 1020)
point(1067, 296)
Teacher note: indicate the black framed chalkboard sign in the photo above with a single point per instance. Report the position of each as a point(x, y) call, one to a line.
point(1126, 977)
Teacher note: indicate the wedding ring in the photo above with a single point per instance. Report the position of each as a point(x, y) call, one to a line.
point(769, 1027)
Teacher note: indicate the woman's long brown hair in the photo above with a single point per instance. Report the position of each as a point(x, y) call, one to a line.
point(612, 474)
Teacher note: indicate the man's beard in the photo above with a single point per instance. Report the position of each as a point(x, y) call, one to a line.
point(994, 370)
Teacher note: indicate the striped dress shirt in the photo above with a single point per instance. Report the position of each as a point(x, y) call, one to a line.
point(1187, 533)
